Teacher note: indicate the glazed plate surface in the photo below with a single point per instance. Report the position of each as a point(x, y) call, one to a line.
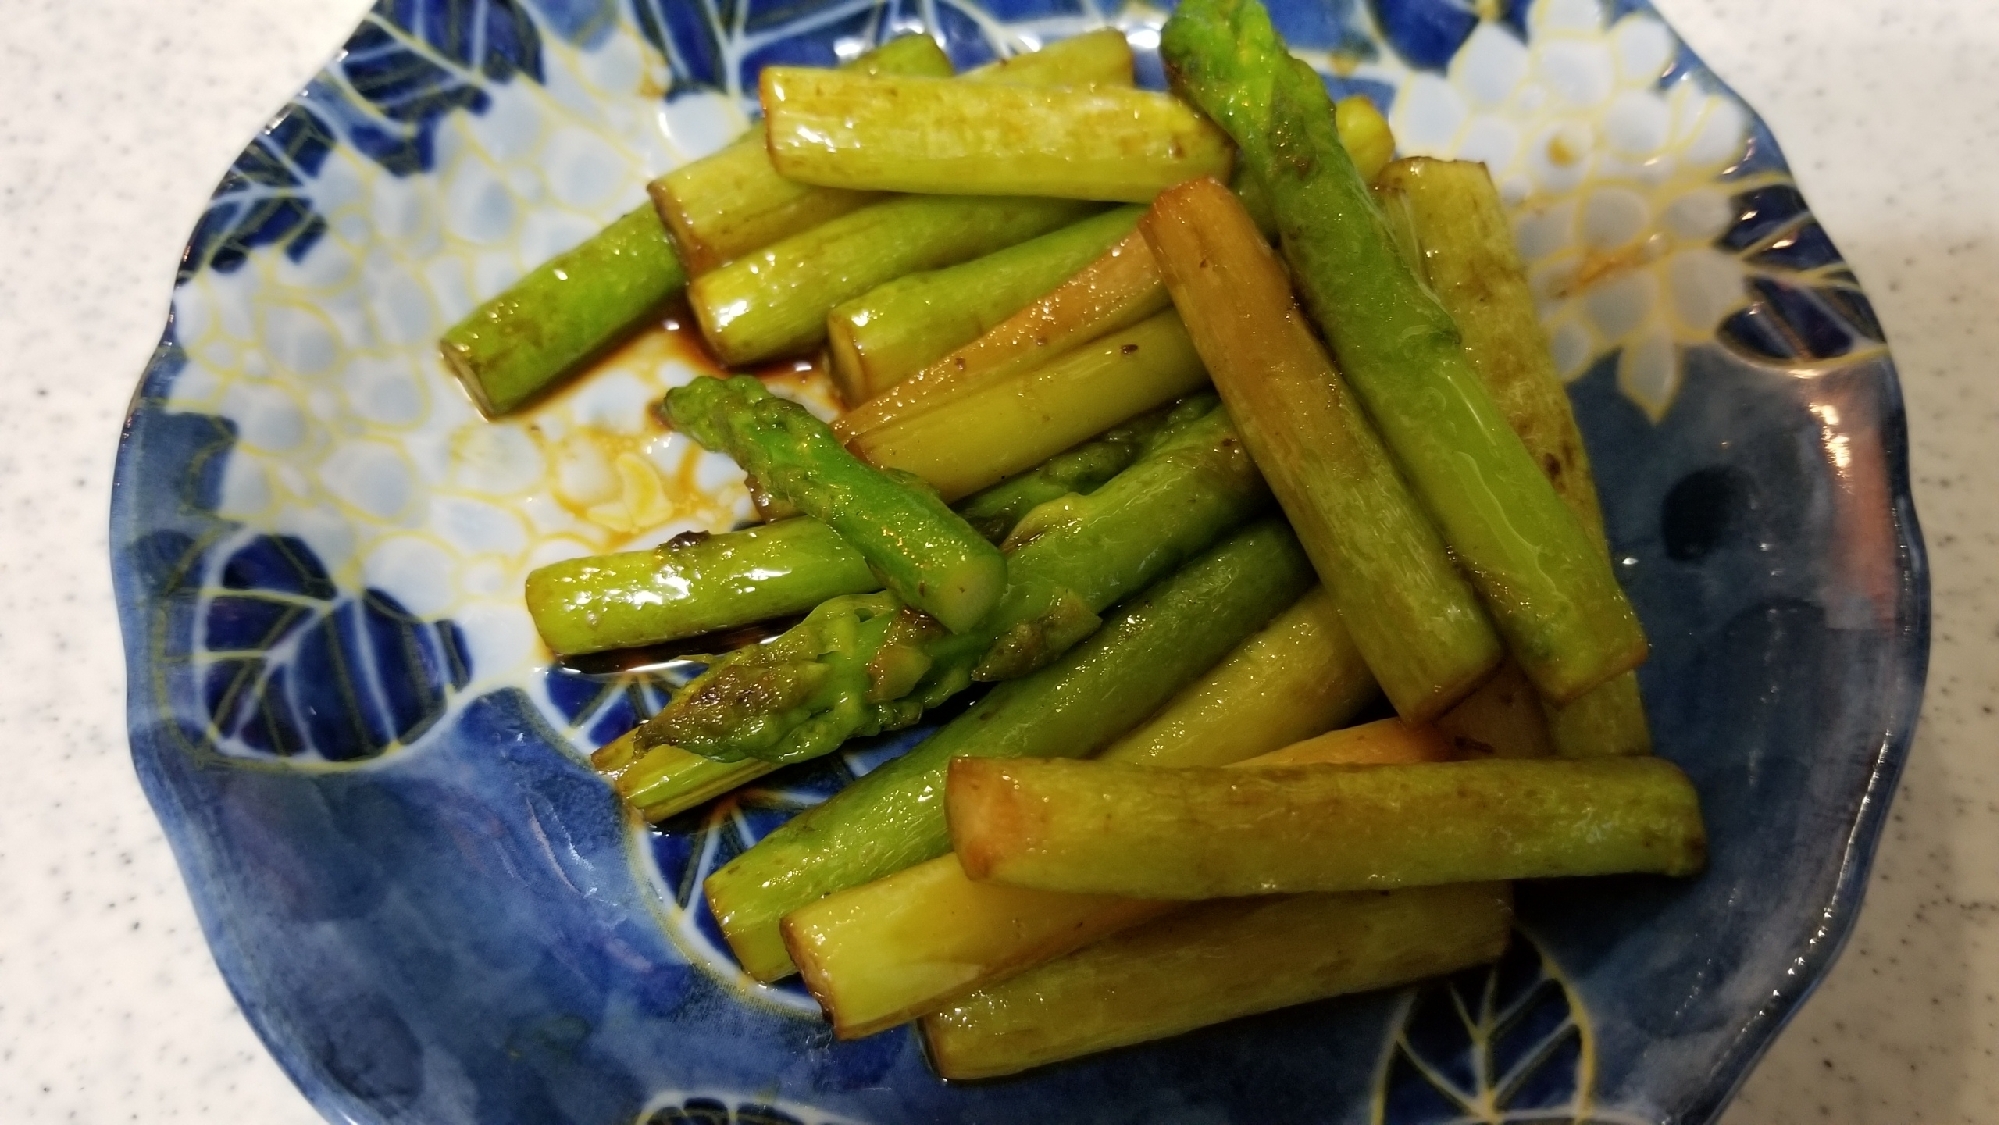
point(373, 778)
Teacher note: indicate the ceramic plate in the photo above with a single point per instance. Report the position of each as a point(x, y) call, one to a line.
point(433, 912)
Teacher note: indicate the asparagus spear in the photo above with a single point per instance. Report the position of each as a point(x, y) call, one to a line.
point(1102, 828)
point(1080, 470)
point(1119, 289)
point(1095, 58)
point(1412, 613)
point(565, 311)
point(1217, 961)
point(1552, 594)
point(977, 439)
point(934, 135)
point(692, 586)
point(879, 339)
point(1503, 716)
point(1462, 245)
point(842, 671)
point(774, 301)
point(1365, 134)
point(1301, 675)
point(704, 583)
point(732, 202)
point(884, 952)
point(1609, 721)
point(892, 818)
point(924, 552)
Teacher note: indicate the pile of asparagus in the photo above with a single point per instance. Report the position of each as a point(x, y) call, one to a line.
point(1191, 504)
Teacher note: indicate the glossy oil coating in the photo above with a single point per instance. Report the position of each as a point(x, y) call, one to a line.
point(1101, 828)
point(894, 817)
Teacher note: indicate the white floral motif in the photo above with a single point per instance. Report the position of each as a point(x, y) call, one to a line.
point(1613, 177)
point(352, 435)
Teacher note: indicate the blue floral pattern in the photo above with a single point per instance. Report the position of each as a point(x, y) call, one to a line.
point(1806, 305)
point(411, 63)
point(293, 668)
point(263, 200)
point(1508, 1042)
point(1429, 35)
point(415, 61)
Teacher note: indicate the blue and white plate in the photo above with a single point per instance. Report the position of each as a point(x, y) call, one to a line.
point(433, 912)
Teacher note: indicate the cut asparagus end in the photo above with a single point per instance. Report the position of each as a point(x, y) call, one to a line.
point(1215, 962)
point(774, 301)
point(905, 945)
point(1503, 718)
point(1099, 828)
point(1365, 134)
point(887, 952)
point(666, 781)
point(975, 440)
point(515, 347)
point(684, 589)
point(1095, 58)
point(937, 136)
point(732, 202)
point(1117, 290)
point(878, 340)
point(1607, 722)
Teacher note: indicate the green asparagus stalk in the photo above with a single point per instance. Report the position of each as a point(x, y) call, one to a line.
point(1412, 613)
point(732, 201)
point(1298, 677)
point(1551, 592)
point(977, 439)
point(692, 586)
point(1609, 721)
point(728, 204)
point(936, 136)
point(1102, 828)
point(1095, 58)
point(884, 952)
point(699, 584)
point(922, 550)
point(1116, 291)
point(1080, 470)
point(882, 338)
point(1504, 717)
point(1214, 962)
point(774, 301)
point(859, 665)
point(892, 818)
point(1119, 289)
point(564, 312)
point(1462, 244)
point(1365, 134)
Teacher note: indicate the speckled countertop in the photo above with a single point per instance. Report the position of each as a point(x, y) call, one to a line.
point(117, 117)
